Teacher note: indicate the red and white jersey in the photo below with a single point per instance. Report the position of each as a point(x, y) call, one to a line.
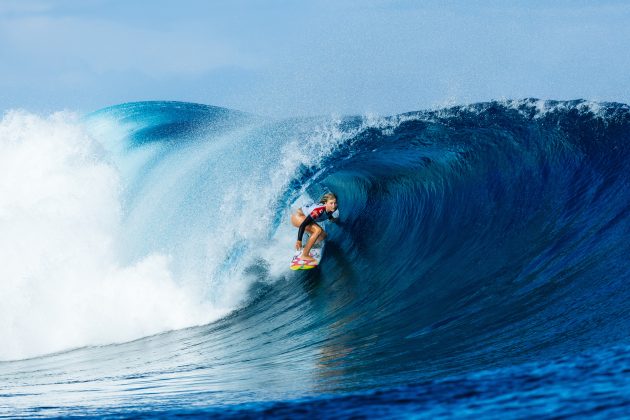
point(318, 212)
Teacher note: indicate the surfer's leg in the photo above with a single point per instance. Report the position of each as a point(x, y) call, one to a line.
point(315, 230)
point(297, 218)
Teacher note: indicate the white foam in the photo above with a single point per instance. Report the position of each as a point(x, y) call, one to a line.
point(64, 235)
point(61, 283)
point(540, 107)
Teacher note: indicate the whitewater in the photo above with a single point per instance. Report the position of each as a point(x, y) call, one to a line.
point(479, 268)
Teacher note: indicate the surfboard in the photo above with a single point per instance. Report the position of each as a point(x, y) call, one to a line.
point(297, 263)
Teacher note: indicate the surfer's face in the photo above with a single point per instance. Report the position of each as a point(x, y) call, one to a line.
point(331, 205)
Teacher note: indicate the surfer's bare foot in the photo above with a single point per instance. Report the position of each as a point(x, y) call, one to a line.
point(307, 257)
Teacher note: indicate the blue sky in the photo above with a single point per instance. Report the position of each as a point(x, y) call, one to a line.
point(282, 58)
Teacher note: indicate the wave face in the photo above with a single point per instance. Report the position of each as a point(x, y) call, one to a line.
point(478, 245)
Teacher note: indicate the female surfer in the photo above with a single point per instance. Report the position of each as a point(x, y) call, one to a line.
point(306, 219)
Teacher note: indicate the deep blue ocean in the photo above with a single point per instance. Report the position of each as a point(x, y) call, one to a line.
point(480, 267)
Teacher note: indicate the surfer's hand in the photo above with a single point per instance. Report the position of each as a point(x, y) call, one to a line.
point(298, 245)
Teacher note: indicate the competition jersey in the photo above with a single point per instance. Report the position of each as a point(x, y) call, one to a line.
point(318, 212)
point(315, 213)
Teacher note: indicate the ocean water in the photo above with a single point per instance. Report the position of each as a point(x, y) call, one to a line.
point(480, 266)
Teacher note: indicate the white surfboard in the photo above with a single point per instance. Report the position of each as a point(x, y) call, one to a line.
point(297, 263)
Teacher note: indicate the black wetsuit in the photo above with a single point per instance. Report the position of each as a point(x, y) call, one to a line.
point(315, 213)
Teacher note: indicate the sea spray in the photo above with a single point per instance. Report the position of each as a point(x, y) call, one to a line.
point(62, 284)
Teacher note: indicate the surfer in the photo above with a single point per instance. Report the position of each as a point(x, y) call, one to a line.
point(306, 219)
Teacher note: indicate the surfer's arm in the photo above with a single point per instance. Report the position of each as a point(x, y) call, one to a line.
point(307, 221)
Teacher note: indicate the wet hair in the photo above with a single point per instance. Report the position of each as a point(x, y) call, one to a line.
point(326, 197)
